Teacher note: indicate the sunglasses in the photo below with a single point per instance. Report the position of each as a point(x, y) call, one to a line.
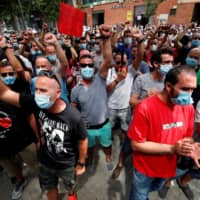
point(91, 65)
point(41, 66)
point(50, 74)
point(120, 63)
point(7, 74)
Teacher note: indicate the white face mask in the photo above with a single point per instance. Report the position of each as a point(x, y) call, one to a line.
point(154, 47)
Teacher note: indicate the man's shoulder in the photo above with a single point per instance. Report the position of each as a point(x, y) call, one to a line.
point(72, 112)
point(77, 87)
point(149, 103)
point(142, 78)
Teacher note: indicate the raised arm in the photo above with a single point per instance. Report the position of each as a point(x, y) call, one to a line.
point(14, 62)
point(107, 50)
point(140, 47)
point(50, 38)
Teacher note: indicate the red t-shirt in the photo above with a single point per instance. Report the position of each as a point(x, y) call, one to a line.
point(155, 121)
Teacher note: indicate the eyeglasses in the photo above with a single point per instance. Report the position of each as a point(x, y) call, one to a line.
point(91, 65)
point(50, 74)
point(4, 74)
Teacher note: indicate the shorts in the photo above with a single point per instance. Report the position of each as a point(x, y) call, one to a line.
point(49, 178)
point(13, 165)
point(103, 134)
point(121, 115)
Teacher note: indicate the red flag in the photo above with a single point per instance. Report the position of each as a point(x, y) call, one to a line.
point(70, 20)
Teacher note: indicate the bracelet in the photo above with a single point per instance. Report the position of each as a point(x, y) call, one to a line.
point(81, 164)
point(141, 40)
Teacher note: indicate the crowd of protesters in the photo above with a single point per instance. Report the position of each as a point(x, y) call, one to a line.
point(59, 94)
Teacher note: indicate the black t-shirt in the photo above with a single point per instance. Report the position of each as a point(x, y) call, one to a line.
point(60, 134)
point(15, 131)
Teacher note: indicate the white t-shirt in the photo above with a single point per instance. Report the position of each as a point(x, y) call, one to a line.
point(120, 96)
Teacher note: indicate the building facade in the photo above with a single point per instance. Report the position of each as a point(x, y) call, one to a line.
point(120, 11)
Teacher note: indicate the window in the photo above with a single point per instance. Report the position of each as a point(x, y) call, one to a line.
point(172, 12)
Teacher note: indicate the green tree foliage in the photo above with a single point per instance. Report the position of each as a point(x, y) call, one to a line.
point(49, 9)
point(151, 7)
point(46, 9)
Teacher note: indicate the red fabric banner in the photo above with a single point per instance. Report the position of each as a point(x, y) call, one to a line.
point(70, 20)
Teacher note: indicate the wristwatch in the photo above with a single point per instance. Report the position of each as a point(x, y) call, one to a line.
point(82, 164)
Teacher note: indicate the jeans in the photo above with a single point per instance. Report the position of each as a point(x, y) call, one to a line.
point(142, 185)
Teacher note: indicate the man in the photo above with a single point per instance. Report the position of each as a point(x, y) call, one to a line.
point(144, 85)
point(160, 130)
point(58, 122)
point(58, 60)
point(151, 83)
point(90, 96)
point(193, 60)
point(16, 135)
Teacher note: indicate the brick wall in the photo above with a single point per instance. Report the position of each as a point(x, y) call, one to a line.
point(113, 13)
point(183, 15)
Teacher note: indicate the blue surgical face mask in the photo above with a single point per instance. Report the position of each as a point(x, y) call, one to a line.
point(128, 40)
point(52, 58)
point(82, 46)
point(92, 41)
point(87, 73)
point(195, 43)
point(9, 80)
point(36, 53)
point(164, 69)
point(43, 101)
point(184, 98)
point(15, 46)
point(192, 62)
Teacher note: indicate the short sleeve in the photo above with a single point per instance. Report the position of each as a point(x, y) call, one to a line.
point(74, 95)
point(81, 130)
point(137, 85)
point(139, 125)
point(27, 103)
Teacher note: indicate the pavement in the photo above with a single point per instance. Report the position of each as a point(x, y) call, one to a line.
point(95, 184)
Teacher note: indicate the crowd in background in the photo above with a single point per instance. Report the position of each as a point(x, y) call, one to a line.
point(59, 93)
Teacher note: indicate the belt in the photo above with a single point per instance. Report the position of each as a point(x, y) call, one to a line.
point(98, 126)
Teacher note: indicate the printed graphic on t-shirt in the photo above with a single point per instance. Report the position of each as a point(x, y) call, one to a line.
point(172, 125)
point(53, 132)
point(5, 124)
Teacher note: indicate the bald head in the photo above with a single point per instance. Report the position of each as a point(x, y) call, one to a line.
point(42, 62)
point(194, 53)
point(84, 52)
